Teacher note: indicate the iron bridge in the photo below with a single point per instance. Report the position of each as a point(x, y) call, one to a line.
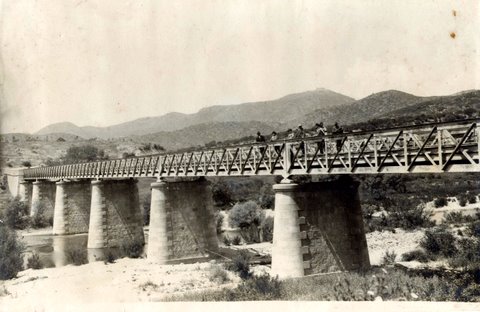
point(433, 148)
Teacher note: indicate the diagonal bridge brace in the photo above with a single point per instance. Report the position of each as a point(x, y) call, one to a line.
point(457, 148)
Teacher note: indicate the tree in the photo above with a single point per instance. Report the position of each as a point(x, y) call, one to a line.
point(11, 249)
point(247, 216)
point(16, 214)
point(83, 153)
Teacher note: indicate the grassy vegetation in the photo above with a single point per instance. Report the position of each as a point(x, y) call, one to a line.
point(389, 284)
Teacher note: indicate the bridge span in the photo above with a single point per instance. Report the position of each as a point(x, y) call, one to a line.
point(318, 227)
point(452, 147)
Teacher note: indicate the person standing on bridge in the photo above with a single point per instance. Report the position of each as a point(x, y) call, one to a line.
point(300, 135)
point(274, 138)
point(338, 130)
point(320, 131)
point(260, 139)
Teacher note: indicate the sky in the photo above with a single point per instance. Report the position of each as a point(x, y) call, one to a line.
point(105, 62)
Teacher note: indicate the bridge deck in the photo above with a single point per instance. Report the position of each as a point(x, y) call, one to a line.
point(446, 147)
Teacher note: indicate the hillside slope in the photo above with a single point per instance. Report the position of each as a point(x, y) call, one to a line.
point(281, 110)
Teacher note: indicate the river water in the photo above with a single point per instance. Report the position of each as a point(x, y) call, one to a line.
point(54, 250)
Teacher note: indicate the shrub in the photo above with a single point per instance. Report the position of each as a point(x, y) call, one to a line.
point(76, 255)
point(438, 242)
point(418, 255)
point(247, 216)
point(440, 202)
point(39, 220)
point(132, 248)
point(11, 249)
point(226, 241)
point(240, 264)
point(262, 287)
point(236, 241)
point(33, 262)
point(218, 275)
point(267, 229)
point(407, 218)
point(26, 163)
point(472, 199)
point(462, 201)
point(16, 214)
point(110, 257)
point(456, 217)
point(219, 222)
point(468, 255)
point(473, 229)
point(221, 194)
point(83, 153)
point(389, 257)
point(146, 209)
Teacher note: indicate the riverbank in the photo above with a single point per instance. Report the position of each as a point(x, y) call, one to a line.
point(126, 280)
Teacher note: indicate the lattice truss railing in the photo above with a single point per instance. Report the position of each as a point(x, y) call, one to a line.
point(436, 148)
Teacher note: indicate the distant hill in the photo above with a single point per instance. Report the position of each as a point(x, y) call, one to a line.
point(207, 133)
point(370, 107)
point(282, 110)
point(460, 106)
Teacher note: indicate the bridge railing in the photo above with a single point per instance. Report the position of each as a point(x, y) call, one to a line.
point(433, 148)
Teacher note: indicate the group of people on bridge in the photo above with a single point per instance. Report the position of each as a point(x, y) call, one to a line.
point(319, 130)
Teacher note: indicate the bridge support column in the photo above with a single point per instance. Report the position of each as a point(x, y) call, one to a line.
point(115, 215)
point(318, 227)
point(72, 207)
point(182, 222)
point(158, 240)
point(43, 197)
point(287, 258)
point(59, 214)
point(25, 191)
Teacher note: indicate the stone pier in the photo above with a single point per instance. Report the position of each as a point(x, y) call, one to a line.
point(115, 215)
point(43, 198)
point(25, 191)
point(72, 207)
point(318, 227)
point(182, 221)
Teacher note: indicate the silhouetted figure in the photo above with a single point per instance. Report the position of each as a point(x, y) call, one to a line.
point(338, 130)
point(259, 139)
point(320, 131)
point(274, 138)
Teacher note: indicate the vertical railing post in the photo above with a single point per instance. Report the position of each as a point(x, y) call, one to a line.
point(439, 142)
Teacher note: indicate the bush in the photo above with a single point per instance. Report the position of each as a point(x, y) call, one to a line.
point(462, 201)
point(389, 257)
point(240, 264)
point(417, 255)
point(226, 241)
point(132, 248)
point(219, 222)
point(473, 229)
point(218, 275)
point(468, 255)
point(407, 218)
point(472, 199)
point(16, 214)
point(76, 255)
point(456, 217)
point(146, 209)
point(247, 216)
point(221, 194)
point(26, 163)
point(83, 153)
point(11, 249)
point(236, 241)
point(440, 202)
point(110, 257)
point(33, 262)
point(39, 220)
point(263, 287)
point(438, 242)
point(267, 230)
